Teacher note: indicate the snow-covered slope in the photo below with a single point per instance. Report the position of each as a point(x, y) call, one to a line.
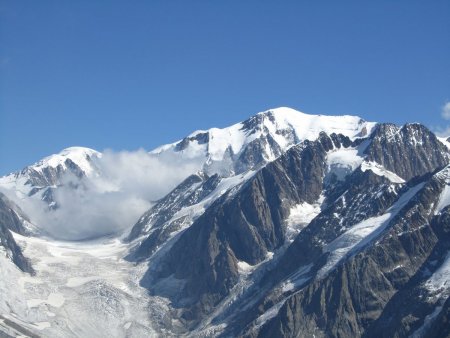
point(79, 155)
point(445, 141)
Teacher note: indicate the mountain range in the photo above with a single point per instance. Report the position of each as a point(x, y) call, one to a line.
point(284, 225)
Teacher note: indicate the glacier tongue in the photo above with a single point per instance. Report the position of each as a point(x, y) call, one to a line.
point(80, 289)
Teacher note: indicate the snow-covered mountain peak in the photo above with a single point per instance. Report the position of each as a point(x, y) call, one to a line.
point(81, 156)
point(259, 139)
point(49, 171)
point(308, 126)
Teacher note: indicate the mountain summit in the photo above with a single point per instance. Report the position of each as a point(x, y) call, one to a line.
point(259, 139)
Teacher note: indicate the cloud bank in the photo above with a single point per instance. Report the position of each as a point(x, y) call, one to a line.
point(111, 201)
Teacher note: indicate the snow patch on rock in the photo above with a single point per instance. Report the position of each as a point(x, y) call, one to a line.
point(379, 170)
point(363, 233)
point(444, 199)
point(439, 281)
point(343, 161)
point(300, 216)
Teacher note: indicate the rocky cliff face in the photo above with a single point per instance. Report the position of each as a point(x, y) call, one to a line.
point(244, 225)
point(164, 218)
point(406, 150)
point(363, 271)
point(381, 289)
point(11, 219)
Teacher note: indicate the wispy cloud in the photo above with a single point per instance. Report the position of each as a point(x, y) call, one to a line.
point(445, 113)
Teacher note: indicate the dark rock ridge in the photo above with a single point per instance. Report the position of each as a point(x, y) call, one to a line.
point(408, 151)
point(11, 219)
point(160, 218)
point(12, 216)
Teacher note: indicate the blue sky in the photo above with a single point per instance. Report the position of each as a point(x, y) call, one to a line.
point(133, 74)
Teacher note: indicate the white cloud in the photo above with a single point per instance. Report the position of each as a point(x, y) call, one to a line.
point(445, 113)
point(442, 131)
point(113, 201)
